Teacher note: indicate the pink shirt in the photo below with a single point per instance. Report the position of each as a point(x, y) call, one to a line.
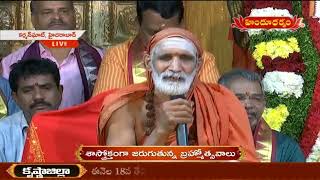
point(73, 91)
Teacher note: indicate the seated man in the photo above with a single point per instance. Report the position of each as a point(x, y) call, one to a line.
point(78, 67)
point(143, 114)
point(123, 64)
point(7, 104)
point(271, 146)
point(36, 87)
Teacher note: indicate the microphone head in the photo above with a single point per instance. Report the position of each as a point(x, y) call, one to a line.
point(177, 96)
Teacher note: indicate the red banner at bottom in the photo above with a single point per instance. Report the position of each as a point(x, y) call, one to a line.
point(167, 170)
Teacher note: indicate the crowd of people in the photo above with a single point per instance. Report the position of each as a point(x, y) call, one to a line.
point(122, 97)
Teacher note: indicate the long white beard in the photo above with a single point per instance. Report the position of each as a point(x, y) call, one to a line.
point(168, 87)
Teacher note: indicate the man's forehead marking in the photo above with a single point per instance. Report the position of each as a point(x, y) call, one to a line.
point(176, 42)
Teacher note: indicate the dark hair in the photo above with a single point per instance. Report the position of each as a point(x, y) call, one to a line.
point(31, 67)
point(33, 4)
point(166, 9)
point(239, 73)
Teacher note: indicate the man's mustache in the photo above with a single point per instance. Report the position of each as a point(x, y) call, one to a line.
point(251, 112)
point(167, 75)
point(56, 22)
point(41, 103)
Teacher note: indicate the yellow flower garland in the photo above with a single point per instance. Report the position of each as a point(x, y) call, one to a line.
point(275, 117)
point(275, 48)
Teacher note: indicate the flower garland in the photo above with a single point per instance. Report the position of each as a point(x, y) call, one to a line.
point(279, 64)
point(297, 107)
point(312, 125)
point(314, 28)
point(275, 48)
point(275, 117)
point(314, 156)
point(249, 5)
point(284, 84)
point(313, 24)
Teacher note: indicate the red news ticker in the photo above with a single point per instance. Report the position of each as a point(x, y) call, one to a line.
point(60, 43)
point(160, 153)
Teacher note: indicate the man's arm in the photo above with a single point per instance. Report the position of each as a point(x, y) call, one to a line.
point(6, 63)
point(11, 104)
point(12, 58)
point(121, 131)
point(112, 71)
point(120, 128)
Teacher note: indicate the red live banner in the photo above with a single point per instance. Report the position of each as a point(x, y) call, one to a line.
point(267, 23)
point(60, 43)
point(159, 153)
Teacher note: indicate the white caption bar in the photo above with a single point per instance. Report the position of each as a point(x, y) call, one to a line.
point(41, 34)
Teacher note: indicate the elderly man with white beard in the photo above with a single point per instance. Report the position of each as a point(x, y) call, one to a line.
point(144, 114)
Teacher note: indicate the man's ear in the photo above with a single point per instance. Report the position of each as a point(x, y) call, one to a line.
point(15, 97)
point(61, 89)
point(147, 61)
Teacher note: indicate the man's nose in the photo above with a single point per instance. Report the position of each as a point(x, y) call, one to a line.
point(175, 65)
point(56, 15)
point(247, 103)
point(37, 94)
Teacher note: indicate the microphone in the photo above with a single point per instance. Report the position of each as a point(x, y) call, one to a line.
point(182, 129)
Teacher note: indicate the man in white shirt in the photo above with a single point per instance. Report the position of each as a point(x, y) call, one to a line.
point(35, 85)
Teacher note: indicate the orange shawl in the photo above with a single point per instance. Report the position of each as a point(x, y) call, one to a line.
point(220, 118)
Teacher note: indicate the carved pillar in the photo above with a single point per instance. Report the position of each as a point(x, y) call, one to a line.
point(112, 22)
point(9, 17)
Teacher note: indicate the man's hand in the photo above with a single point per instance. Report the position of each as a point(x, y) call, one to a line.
point(174, 112)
